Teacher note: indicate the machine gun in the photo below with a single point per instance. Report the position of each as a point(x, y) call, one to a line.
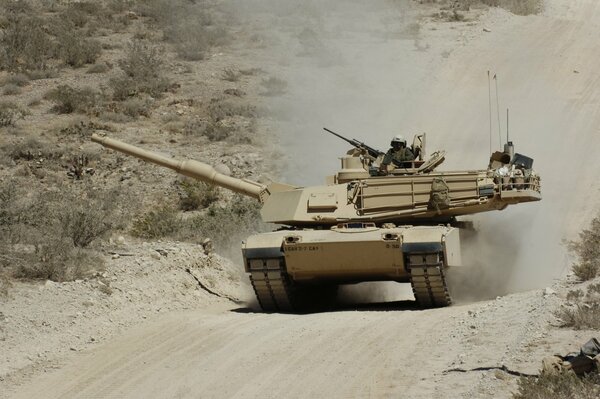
point(359, 144)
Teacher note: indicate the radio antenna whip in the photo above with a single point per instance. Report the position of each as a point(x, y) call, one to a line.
point(507, 140)
point(490, 108)
point(498, 112)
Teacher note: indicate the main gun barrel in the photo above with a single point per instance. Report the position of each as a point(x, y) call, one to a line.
point(191, 168)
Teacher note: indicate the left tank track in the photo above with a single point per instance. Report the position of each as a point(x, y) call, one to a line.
point(428, 279)
point(271, 284)
point(277, 292)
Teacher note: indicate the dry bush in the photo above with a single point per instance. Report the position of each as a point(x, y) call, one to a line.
point(24, 46)
point(11, 90)
point(157, 223)
point(230, 75)
point(68, 99)
point(100, 67)
point(143, 72)
point(559, 386)
point(518, 7)
point(224, 225)
point(28, 149)
point(274, 86)
point(219, 109)
point(190, 26)
point(17, 79)
point(585, 312)
point(587, 250)
point(10, 113)
point(196, 195)
point(76, 51)
point(45, 235)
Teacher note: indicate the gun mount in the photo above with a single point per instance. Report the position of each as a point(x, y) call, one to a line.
point(363, 227)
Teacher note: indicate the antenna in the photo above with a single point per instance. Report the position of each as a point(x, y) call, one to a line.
point(490, 108)
point(498, 112)
point(507, 140)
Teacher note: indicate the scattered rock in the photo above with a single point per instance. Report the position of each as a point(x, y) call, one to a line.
point(487, 30)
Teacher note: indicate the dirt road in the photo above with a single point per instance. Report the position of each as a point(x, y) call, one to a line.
point(547, 69)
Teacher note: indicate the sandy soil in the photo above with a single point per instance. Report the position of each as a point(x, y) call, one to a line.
point(545, 65)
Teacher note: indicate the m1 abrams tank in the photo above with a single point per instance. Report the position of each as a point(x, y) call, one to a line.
point(363, 226)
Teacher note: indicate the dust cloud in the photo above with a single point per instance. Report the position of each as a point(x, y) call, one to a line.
point(371, 70)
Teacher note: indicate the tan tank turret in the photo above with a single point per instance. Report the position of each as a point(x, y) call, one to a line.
point(362, 226)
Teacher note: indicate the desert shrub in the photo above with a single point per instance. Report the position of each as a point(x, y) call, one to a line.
point(45, 235)
point(11, 90)
point(585, 313)
point(196, 195)
point(219, 109)
point(274, 86)
point(224, 225)
point(24, 45)
point(27, 149)
point(587, 250)
point(558, 386)
point(76, 51)
point(230, 75)
point(76, 17)
point(57, 260)
point(10, 113)
point(85, 222)
point(143, 72)
point(68, 99)
point(135, 107)
point(156, 223)
point(217, 131)
point(100, 67)
point(17, 79)
point(518, 7)
point(190, 27)
point(118, 6)
point(38, 74)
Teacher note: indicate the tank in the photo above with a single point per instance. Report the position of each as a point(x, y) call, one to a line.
point(365, 224)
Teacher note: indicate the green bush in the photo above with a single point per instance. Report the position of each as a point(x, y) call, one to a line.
point(587, 250)
point(67, 99)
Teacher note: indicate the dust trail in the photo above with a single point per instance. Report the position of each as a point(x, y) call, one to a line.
point(373, 70)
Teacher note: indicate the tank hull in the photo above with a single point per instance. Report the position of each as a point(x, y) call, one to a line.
point(288, 268)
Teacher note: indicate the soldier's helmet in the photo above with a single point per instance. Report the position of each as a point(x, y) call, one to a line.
point(398, 139)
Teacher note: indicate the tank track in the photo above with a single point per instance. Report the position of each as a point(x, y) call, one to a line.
point(271, 284)
point(427, 279)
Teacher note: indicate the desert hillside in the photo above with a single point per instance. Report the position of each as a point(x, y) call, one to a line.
point(121, 278)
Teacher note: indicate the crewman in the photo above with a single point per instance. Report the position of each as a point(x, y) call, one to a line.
point(398, 154)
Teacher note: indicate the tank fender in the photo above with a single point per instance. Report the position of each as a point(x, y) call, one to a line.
point(429, 239)
point(262, 246)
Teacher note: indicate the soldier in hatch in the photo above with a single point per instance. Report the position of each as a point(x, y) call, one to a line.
point(400, 155)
